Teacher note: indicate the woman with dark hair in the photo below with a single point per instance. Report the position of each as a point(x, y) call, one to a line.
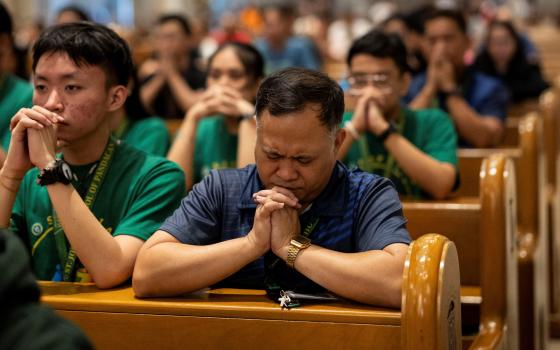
point(503, 57)
point(218, 131)
point(134, 125)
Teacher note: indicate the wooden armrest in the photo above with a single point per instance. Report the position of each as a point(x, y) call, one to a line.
point(488, 338)
point(431, 311)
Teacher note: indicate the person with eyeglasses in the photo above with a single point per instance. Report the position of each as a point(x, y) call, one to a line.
point(415, 149)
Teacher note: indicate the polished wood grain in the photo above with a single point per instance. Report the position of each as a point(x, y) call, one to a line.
point(241, 319)
point(470, 160)
point(498, 321)
point(480, 227)
point(434, 328)
point(550, 110)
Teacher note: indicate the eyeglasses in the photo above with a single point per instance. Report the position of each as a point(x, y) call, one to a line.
point(380, 81)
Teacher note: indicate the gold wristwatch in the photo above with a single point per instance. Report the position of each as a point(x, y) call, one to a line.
point(297, 243)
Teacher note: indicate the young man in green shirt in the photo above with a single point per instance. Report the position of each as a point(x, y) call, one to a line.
point(85, 213)
point(415, 149)
point(15, 93)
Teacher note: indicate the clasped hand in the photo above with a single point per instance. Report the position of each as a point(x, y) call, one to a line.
point(276, 220)
point(368, 115)
point(33, 140)
point(222, 100)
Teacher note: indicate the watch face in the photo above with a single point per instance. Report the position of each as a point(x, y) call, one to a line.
point(66, 171)
point(301, 241)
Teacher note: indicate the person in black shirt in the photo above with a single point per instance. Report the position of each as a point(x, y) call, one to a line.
point(171, 81)
point(502, 57)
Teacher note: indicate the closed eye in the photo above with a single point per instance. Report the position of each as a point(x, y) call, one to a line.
point(72, 88)
point(303, 160)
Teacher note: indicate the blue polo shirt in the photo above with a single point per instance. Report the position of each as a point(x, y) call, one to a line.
point(298, 51)
point(356, 212)
point(485, 94)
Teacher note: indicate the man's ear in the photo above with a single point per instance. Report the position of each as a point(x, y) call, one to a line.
point(339, 139)
point(117, 97)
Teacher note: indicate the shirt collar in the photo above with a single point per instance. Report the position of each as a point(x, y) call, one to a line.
point(331, 202)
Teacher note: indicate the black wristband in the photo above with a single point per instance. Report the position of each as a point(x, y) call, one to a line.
point(391, 129)
point(58, 171)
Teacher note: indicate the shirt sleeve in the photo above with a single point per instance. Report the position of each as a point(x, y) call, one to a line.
point(159, 193)
point(380, 221)
point(197, 221)
point(151, 136)
point(495, 103)
point(308, 54)
point(415, 87)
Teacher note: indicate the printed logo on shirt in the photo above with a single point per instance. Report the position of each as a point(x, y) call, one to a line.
point(36, 229)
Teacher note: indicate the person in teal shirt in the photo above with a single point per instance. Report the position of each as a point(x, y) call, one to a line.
point(415, 149)
point(219, 131)
point(82, 201)
point(138, 128)
point(15, 93)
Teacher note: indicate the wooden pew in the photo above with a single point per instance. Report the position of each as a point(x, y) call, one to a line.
point(531, 225)
point(550, 107)
point(247, 319)
point(483, 230)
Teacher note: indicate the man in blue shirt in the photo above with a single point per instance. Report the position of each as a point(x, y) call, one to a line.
point(476, 102)
point(335, 229)
point(280, 48)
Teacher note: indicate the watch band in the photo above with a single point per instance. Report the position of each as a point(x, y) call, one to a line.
point(56, 171)
point(297, 244)
point(391, 129)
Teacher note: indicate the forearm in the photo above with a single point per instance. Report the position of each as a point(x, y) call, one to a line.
point(478, 130)
point(247, 139)
point(434, 177)
point(424, 98)
point(9, 186)
point(149, 91)
point(184, 95)
point(172, 268)
point(97, 249)
point(373, 277)
point(183, 147)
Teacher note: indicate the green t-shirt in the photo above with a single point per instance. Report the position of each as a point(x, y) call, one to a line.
point(15, 94)
point(215, 148)
point(138, 193)
point(149, 135)
point(430, 130)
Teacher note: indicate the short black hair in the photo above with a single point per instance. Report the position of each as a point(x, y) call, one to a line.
point(290, 90)
point(250, 58)
point(378, 44)
point(181, 20)
point(415, 18)
point(78, 11)
point(5, 21)
point(454, 15)
point(90, 44)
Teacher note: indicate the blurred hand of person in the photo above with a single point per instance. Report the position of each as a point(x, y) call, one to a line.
point(223, 100)
point(368, 115)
